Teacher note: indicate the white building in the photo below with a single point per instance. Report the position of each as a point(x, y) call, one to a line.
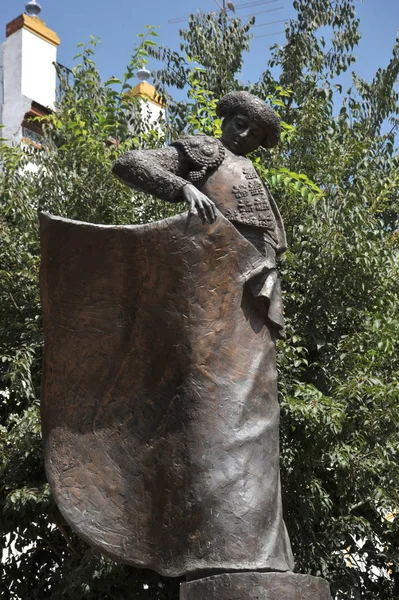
point(28, 78)
point(27, 75)
point(151, 105)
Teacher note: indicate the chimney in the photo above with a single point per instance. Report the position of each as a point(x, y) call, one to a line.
point(151, 104)
point(28, 74)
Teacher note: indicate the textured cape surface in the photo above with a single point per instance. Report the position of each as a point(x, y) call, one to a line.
point(159, 400)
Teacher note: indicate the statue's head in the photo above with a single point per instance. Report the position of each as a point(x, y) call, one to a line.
point(248, 123)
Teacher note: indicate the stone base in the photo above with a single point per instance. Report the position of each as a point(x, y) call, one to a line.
point(256, 586)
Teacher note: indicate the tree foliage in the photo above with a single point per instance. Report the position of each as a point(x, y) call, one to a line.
point(335, 177)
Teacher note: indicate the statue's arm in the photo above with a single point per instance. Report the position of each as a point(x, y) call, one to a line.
point(163, 173)
point(159, 172)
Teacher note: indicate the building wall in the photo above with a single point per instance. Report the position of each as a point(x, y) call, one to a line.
point(1, 76)
point(14, 104)
point(28, 74)
point(150, 111)
point(37, 68)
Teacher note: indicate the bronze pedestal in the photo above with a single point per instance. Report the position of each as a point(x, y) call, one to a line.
point(256, 586)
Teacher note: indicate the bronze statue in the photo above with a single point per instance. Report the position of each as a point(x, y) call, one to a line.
point(160, 413)
point(208, 173)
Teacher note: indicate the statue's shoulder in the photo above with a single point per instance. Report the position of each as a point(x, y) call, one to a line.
point(203, 152)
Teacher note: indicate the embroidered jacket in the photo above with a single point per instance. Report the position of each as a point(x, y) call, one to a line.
point(226, 178)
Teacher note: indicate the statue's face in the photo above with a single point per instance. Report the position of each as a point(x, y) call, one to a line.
point(241, 135)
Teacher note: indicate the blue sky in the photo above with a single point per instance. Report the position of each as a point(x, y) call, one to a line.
point(117, 23)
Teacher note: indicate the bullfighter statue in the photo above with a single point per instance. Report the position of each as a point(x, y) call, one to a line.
point(160, 412)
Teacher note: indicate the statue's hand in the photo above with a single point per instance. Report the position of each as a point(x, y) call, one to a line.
point(199, 203)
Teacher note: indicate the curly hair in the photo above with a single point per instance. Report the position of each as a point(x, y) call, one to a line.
point(255, 109)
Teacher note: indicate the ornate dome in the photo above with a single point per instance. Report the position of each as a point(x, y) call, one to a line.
point(33, 8)
point(144, 74)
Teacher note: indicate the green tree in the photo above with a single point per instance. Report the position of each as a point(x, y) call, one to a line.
point(339, 366)
point(335, 177)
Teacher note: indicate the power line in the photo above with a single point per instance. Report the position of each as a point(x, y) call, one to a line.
point(269, 23)
point(178, 19)
point(256, 3)
point(268, 34)
point(225, 6)
point(262, 12)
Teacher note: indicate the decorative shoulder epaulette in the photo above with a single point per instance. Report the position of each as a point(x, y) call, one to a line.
point(204, 153)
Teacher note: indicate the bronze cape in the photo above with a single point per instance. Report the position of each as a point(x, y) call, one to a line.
point(159, 403)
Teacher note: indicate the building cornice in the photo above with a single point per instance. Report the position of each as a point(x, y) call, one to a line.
point(148, 92)
point(34, 25)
